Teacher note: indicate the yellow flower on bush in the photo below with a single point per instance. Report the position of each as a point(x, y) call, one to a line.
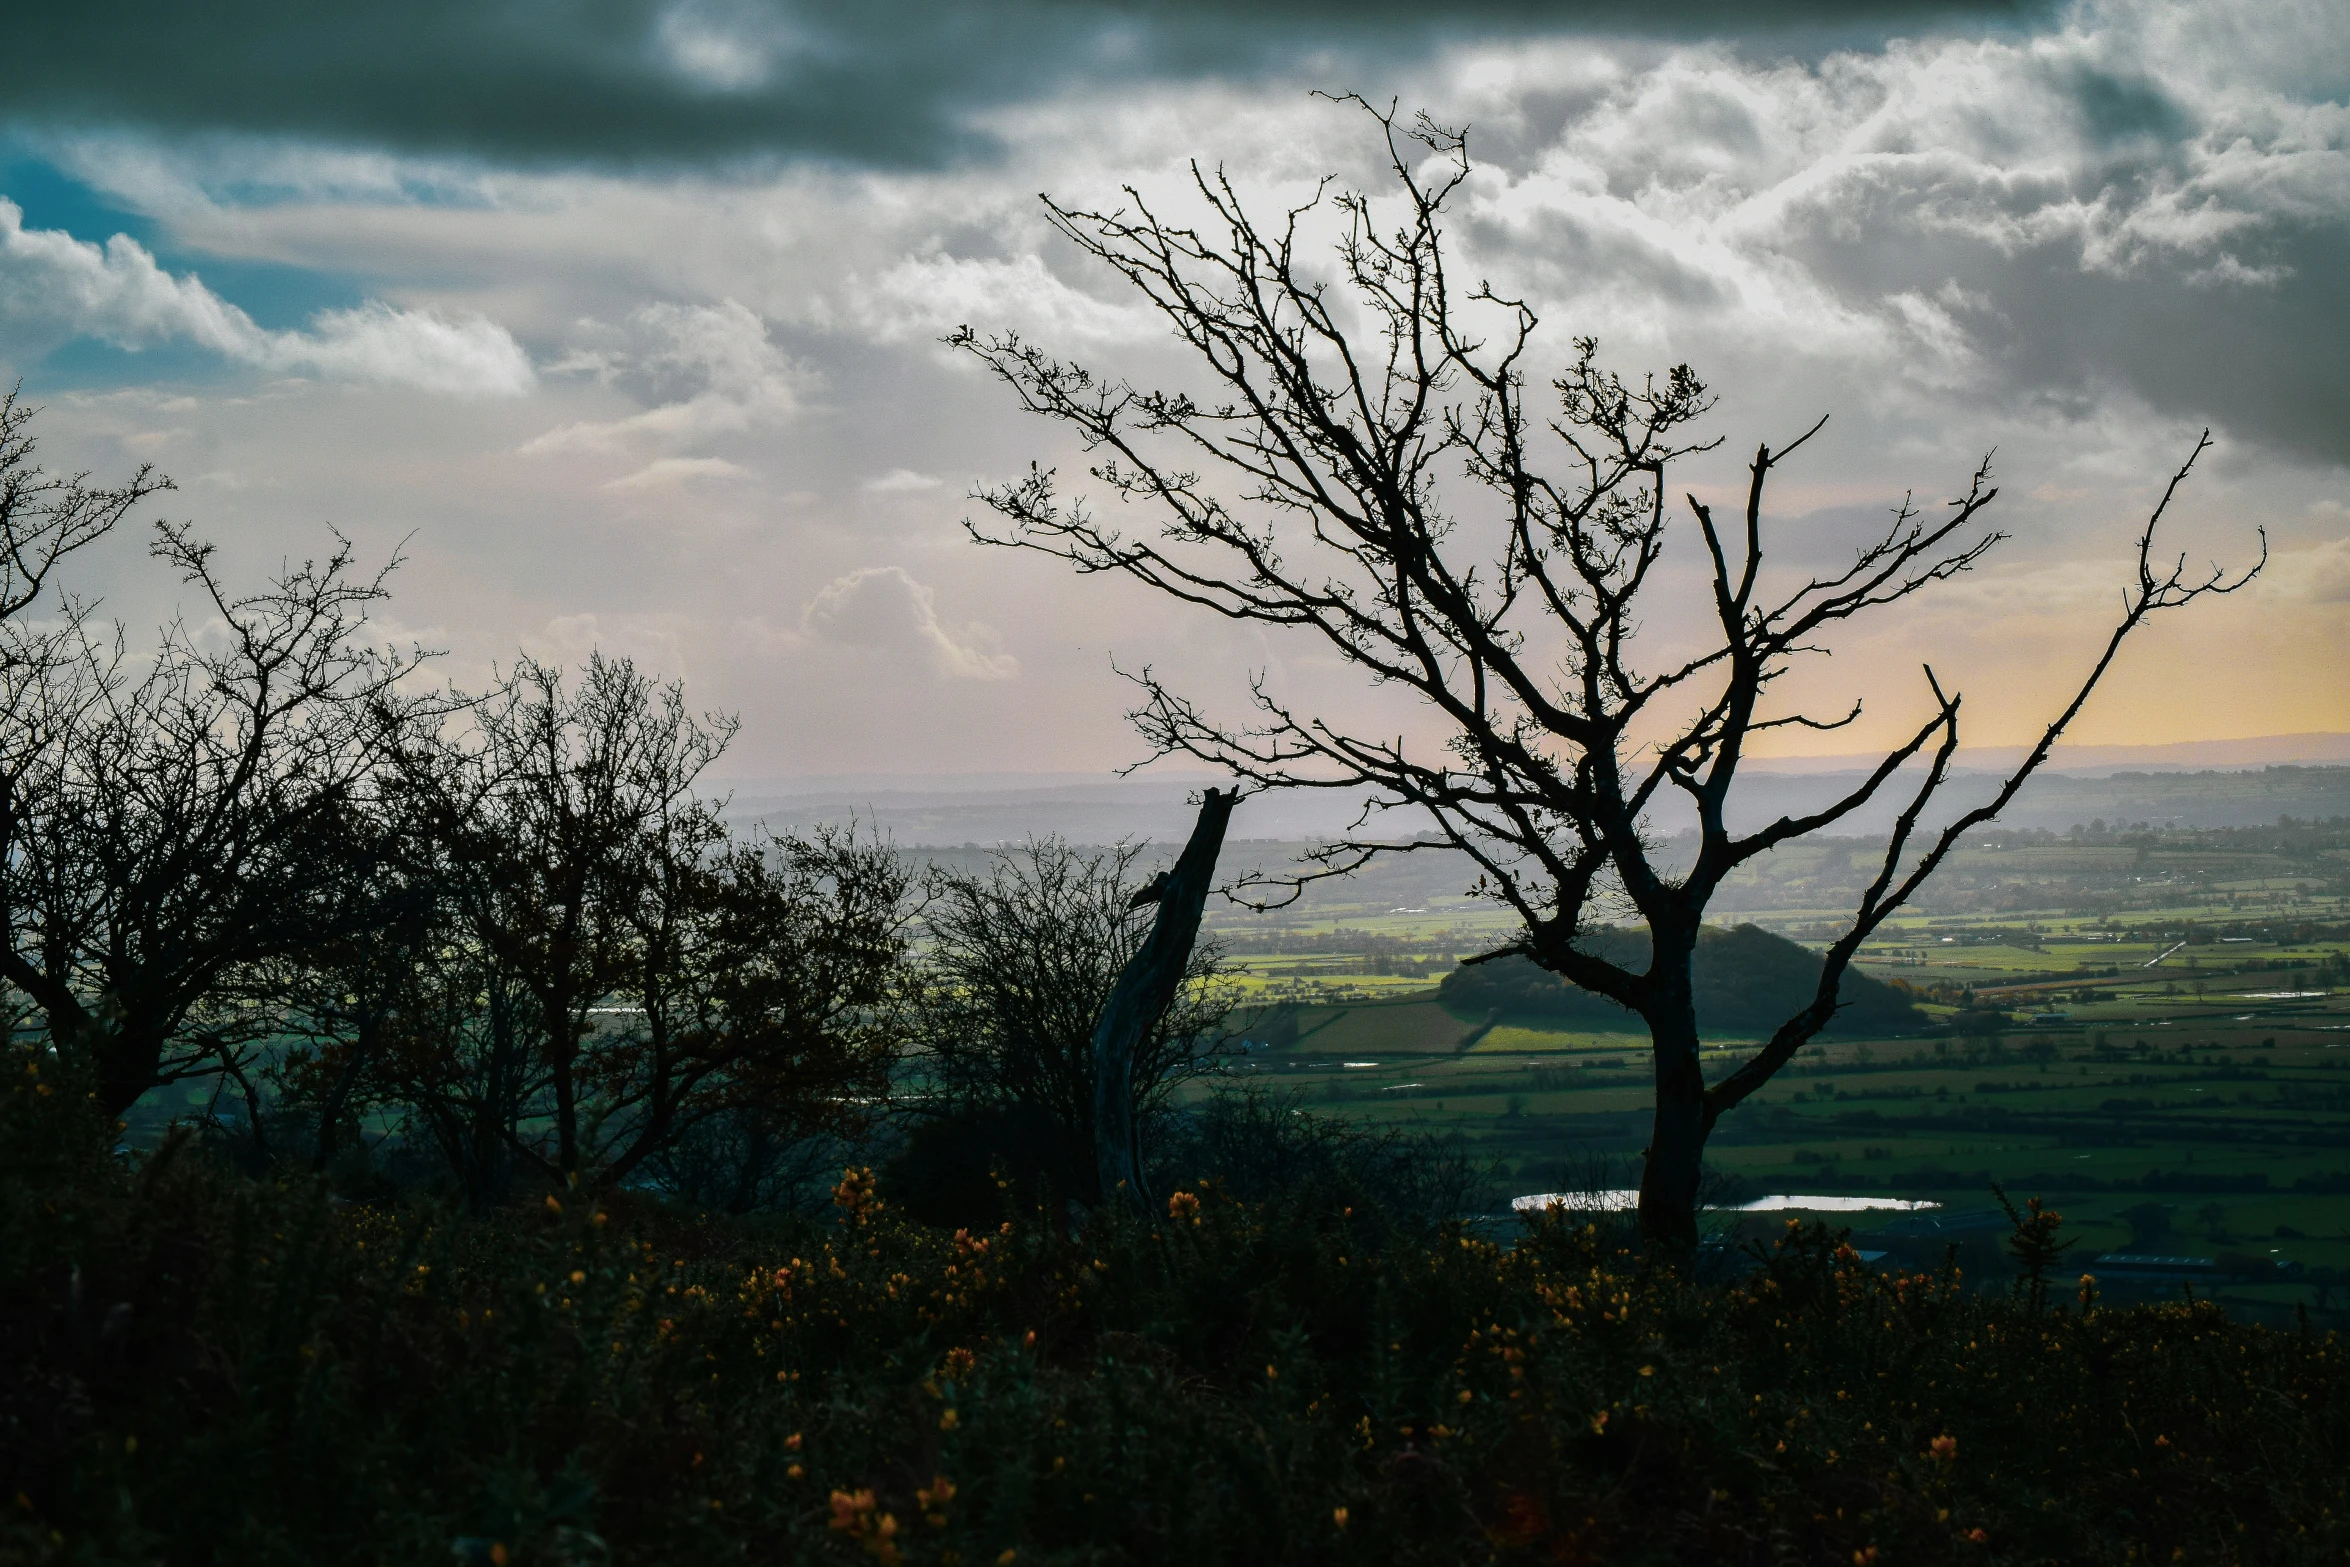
point(854, 1513)
point(1183, 1205)
point(855, 1194)
point(1943, 1448)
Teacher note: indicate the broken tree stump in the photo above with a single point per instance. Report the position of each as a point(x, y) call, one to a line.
point(1145, 989)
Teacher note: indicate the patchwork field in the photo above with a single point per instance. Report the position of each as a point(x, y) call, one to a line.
point(2174, 1075)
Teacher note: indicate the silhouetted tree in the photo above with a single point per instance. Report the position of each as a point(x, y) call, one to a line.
point(339, 1004)
point(1394, 492)
point(550, 812)
point(1022, 958)
point(1148, 983)
point(770, 991)
point(161, 821)
point(44, 517)
point(611, 969)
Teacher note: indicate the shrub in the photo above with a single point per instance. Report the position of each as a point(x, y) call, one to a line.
point(198, 1368)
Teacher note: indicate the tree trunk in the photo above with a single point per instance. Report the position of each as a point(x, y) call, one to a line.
point(1676, 1138)
point(1144, 990)
point(330, 1114)
point(561, 1060)
point(128, 1062)
point(255, 1127)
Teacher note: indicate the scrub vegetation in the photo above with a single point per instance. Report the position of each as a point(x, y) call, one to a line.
point(203, 1368)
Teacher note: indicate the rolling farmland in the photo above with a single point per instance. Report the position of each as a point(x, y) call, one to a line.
point(2153, 1035)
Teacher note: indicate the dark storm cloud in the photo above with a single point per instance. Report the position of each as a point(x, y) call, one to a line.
point(643, 82)
point(2247, 331)
point(2261, 362)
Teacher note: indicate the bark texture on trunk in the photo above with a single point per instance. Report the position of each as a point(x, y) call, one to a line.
point(1144, 990)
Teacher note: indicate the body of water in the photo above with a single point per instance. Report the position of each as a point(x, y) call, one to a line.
point(1624, 1200)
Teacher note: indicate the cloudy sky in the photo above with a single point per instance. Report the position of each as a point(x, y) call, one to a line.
point(624, 314)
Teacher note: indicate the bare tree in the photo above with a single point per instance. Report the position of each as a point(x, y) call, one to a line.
point(165, 824)
point(768, 981)
point(445, 1046)
point(45, 517)
point(1023, 958)
point(342, 1003)
point(614, 969)
point(1390, 488)
point(43, 693)
point(541, 814)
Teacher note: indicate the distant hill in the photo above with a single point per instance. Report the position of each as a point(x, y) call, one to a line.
point(2055, 802)
point(941, 812)
point(2311, 748)
point(1748, 982)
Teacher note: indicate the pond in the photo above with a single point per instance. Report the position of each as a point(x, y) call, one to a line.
point(1623, 1200)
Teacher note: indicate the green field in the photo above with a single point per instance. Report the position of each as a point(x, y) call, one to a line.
point(2174, 1039)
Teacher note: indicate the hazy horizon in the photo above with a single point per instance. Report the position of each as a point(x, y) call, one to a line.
point(2250, 752)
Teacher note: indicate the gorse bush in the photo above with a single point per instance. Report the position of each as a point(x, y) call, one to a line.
point(199, 1368)
point(1261, 1145)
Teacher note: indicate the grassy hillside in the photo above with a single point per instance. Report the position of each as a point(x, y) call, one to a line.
point(1747, 981)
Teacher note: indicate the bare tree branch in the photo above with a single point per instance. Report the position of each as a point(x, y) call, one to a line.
point(1357, 463)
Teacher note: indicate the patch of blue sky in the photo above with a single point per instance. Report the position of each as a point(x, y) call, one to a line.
point(278, 296)
point(53, 199)
point(365, 180)
point(88, 364)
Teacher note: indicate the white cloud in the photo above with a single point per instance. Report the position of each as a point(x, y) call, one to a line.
point(2318, 575)
point(1951, 244)
point(671, 473)
point(1825, 209)
point(649, 641)
point(707, 370)
point(374, 342)
point(884, 611)
point(901, 481)
point(927, 296)
point(117, 293)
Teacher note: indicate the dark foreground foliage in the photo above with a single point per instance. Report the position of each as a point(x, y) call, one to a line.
point(197, 1368)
